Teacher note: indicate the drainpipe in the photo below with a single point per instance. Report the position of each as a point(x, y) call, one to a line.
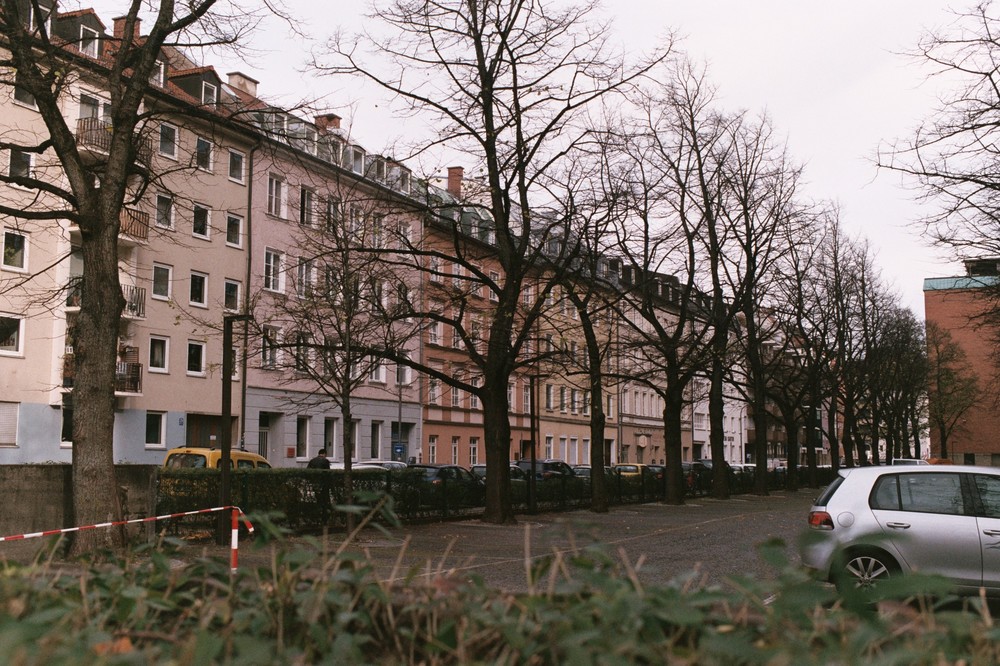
point(246, 298)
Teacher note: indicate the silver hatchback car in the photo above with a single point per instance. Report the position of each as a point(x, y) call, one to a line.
point(871, 523)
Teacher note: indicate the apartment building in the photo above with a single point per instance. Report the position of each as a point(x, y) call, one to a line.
point(955, 304)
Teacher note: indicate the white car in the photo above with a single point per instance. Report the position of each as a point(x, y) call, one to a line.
point(872, 523)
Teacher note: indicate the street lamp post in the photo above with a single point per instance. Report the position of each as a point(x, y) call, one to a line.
point(227, 415)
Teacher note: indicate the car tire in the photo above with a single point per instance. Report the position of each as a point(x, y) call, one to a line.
point(862, 570)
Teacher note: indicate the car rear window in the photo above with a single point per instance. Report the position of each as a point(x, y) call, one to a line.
point(824, 497)
point(186, 461)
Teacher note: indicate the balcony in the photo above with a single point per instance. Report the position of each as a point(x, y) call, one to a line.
point(128, 376)
point(134, 224)
point(135, 298)
point(95, 134)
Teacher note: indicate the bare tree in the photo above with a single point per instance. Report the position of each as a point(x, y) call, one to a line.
point(953, 385)
point(70, 184)
point(507, 85)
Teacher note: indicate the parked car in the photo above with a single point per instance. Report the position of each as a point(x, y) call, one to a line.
point(872, 523)
point(548, 469)
point(449, 485)
point(190, 457)
point(909, 461)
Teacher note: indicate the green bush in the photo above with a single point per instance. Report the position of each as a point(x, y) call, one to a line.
point(308, 606)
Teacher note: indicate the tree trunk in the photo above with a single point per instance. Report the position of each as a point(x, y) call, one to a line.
point(716, 420)
point(496, 425)
point(673, 407)
point(95, 350)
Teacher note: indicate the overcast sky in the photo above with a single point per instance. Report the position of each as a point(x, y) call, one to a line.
point(830, 75)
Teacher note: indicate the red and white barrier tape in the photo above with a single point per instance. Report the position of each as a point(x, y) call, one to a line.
point(234, 542)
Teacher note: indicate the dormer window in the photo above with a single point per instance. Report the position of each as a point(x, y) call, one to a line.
point(89, 41)
point(159, 75)
point(36, 20)
point(209, 93)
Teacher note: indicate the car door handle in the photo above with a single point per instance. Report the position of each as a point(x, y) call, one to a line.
point(992, 533)
point(898, 526)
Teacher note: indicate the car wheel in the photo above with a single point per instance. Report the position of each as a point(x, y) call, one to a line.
point(863, 570)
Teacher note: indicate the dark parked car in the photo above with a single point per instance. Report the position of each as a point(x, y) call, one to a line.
point(873, 523)
point(548, 469)
point(449, 486)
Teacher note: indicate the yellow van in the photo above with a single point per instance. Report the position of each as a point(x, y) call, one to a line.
point(198, 458)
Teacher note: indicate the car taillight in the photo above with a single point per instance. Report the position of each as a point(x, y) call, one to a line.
point(820, 520)
point(436, 482)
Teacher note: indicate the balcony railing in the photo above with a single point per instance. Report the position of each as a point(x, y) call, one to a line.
point(134, 223)
point(128, 376)
point(95, 133)
point(135, 298)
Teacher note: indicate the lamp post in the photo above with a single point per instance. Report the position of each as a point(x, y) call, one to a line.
point(226, 417)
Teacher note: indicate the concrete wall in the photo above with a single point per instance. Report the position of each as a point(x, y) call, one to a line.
point(39, 495)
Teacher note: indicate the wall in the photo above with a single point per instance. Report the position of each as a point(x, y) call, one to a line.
point(43, 492)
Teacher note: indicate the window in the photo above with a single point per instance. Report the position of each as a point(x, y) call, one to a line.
point(15, 251)
point(433, 332)
point(548, 446)
point(21, 94)
point(473, 450)
point(306, 207)
point(203, 154)
point(510, 394)
point(236, 159)
point(574, 401)
point(402, 375)
point(269, 348)
point(159, 354)
point(455, 441)
point(275, 196)
point(274, 277)
point(495, 279)
point(164, 211)
point(562, 399)
point(301, 437)
point(234, 230)
point(158, 77)
point(432, 447)
point(199, 289)
point(209, 93)
point(168, 141)
point(202, 221)
point(926, 493)
point(456, 397)
point(21, 164)
point(302, 356)
point(11, 334)
point(162, 279)
point(88, 41)
point(378, 372)
point(154, 430)
point(473, 396)
point(526, 398)
point(549, 393)
point(432, 391)
point(196, 358)
point(376, 440)
point(434, 267)
point(304, 278)
point(331, 214)
point(231, 296)
point(8, 423)
point(66, 433)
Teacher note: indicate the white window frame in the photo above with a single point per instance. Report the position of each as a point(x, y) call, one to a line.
point(170, 282)
point(307, 207)
point(241, 178)
point(208, 221)
point(20, 96)
point(176, 140)
point(18, 349)
point(89, 36)
point(456, 442)
point(304, 277)
point(201, 344)
point(3, 251)
point(377, 374)
point(432, 445)
point(270, 337)
point(473, 450)
point(274, 271)
point(225, 291)
point(209, 93)
point(162, 439)
point(198, 143)
point(8, 423)
point(170, 211)
point(276, 187)
point(203, 303)
point(158, 77)
point(473, 396)
point(230, 218)
point(165, 368)
point(30, 157)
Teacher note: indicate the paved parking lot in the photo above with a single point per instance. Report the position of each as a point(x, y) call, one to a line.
point(714, 538)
